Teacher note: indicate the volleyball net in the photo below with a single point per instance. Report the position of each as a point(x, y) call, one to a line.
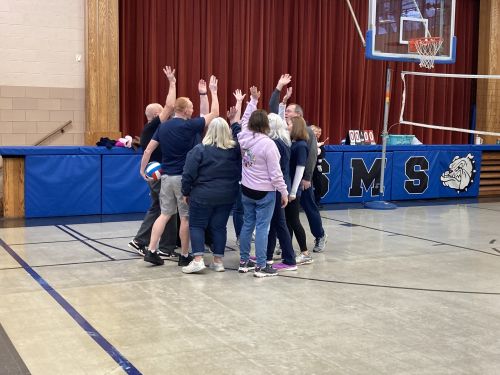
point(423, 92)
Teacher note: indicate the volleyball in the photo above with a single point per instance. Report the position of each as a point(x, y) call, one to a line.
point(153, 170)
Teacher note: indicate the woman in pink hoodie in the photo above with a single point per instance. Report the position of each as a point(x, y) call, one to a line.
point(261, 177)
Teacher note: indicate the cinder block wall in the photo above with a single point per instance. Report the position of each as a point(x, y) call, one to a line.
point(42, 79)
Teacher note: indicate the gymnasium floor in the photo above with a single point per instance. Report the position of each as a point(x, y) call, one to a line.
point(410, 291)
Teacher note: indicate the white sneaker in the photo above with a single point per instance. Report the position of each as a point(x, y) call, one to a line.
point(194, 266)
point(217, 267)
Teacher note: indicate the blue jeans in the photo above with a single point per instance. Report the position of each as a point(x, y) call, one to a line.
point(279, 229)
point(312, 212)
point(213, 218)
point(257, 214)
point(238, 214)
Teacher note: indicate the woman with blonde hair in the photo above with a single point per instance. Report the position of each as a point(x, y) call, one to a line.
point(210, 187)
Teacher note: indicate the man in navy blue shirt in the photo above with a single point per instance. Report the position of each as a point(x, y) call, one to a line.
point(176, 137)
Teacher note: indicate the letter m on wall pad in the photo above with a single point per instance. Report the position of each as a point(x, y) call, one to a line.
point(364, 178)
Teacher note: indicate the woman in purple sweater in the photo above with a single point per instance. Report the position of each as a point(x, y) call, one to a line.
point(261, 178)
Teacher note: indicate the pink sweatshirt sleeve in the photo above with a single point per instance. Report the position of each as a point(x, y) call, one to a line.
point(251, 106)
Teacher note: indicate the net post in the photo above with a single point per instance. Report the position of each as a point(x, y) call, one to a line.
point(381, 204)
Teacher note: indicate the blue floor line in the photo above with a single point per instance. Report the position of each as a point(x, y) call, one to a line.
point(128, 367)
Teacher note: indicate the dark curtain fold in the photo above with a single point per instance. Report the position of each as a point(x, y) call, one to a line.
point(247, 43)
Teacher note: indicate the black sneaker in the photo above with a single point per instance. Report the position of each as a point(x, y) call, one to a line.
point(266, 271)
point(136, 246)
point(184, 261)
point(246, 266)
point(153, 257)
point(168, 253)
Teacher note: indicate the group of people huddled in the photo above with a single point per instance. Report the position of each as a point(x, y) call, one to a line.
point(257, 166)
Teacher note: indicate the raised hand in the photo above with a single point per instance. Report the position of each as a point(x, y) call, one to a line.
point(213, 84)
point(284, 80)
point(170, 73)
point(288, 94)
point(254, 93)
point(231, 114)
point(239, 96)
point(202, 87)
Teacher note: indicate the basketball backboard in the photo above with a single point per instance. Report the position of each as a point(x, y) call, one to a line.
point(393, 23)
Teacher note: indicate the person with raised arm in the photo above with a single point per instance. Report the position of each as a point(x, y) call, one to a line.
point(210, 185)
point(176, 137)
point(156, 114)
point(234, 117)
point(261, 177)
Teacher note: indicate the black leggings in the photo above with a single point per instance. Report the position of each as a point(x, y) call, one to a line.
point(293, 223)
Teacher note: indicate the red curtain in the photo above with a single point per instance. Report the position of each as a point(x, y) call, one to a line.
point(252, 42)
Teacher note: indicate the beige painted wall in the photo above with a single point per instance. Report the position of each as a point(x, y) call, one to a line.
point(42, 85)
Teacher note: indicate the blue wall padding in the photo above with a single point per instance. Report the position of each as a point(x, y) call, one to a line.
point(62, 185)
point(123, 189)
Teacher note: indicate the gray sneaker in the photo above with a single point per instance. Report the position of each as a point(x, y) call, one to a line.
point(194, 266)
point(217, 267)
point(266, 271)
point(303, 259)
point(320, 243)
point(246, 266)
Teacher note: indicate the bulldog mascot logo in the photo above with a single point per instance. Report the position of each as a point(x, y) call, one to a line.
point(460, 174)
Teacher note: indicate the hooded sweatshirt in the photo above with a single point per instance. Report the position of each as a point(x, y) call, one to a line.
point(260, 158)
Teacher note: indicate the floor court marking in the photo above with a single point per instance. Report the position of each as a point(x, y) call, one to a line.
point(125, 364)
point(301, 278)
point(392, 286)
point(390, 233)
point(97, 241)
point(87, 244)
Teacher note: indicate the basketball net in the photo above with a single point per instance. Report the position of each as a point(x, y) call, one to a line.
point(427, 48)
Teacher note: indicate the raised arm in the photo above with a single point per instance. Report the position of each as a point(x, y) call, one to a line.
point(284, 80)
point(239, 96)
point(282, 105)
point(251, 106)
point(214, 110)
point(171, 96)
point(202, 90)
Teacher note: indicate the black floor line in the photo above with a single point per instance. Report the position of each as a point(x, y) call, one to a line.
point(11, 268)
point(390, 233)
point(89, 245)
point(62, 241)
point(392, 286)
point(97, 241)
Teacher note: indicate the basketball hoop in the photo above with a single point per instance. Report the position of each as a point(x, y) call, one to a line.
point(427, 48)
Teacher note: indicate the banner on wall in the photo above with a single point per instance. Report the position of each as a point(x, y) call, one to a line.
point(459, 174)
point(421, 175)
point(415, 175)
point(332, 175)
point(361, 176)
